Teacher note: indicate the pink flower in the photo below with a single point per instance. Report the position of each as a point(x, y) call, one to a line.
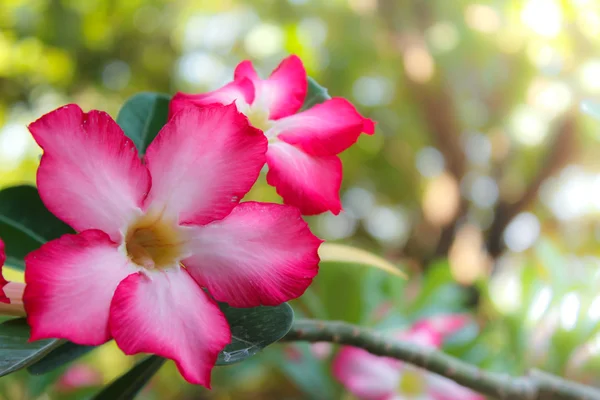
point(79, 376)
point(371, 377)
point(303, 146)
point(154, 232)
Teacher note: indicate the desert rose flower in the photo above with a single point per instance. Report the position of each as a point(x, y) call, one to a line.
point(371, 377)
point(152, 233)
point(303, 146)
point(78, 376)
point(11, 293)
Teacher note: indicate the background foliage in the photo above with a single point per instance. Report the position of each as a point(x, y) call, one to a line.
point(482, 181)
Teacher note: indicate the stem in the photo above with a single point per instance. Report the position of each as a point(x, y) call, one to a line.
point(535, 385)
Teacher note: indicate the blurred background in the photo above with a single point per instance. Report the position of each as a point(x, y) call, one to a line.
point(482, 181)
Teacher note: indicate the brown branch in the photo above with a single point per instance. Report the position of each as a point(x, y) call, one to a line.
point(560, 152)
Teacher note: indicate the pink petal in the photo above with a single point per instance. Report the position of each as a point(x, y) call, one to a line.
point(283, 93)
point(324, 130)
point(79, 376)
point(368, 126)
point(442, 325)
point(441, 388)
point(70, 283)
point(203, 162)
point(422, 337)
point(90, 175)
point(3, 297)
point(241, 90)
point(259, 254)
point(168, 314)
point(365, 375)
point(245, 70)
point(308, 182)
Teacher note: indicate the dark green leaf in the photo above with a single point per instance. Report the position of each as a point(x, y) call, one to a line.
point(63, 354)
point(16, 352)
point(128, 385)
point(253, 329)
point(25, 223)
point(316, 94)
point(142, 117)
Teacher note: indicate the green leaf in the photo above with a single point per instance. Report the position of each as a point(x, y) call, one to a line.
point(128, 385)
point(143, 116)
point(61, 355)
point(253, 329)
point(16, 352)
point(25, 223)
point(316, 94)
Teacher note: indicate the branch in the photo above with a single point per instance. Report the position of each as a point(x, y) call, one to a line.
point(560, 152)
point(535, 385)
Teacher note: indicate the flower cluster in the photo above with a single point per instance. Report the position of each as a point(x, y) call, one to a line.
point(371, 377)
point(161, 239)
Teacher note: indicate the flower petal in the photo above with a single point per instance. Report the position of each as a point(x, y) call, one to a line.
point(445, 325)
point(283, 93)
point(433, 330)
point(168, 314)
point(441, 388)
point(90, 175)
point(367, 376)
point(324, 130)
point(259, 254)
point(308, 182)
point(70, 283)
point(245, 70)
point(203, 162)
point(3, 281)
point(240, 91)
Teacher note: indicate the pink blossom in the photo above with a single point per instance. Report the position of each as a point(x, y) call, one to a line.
point(371, 377)
point(79, 376)
point(152, 233)
point(303, 146)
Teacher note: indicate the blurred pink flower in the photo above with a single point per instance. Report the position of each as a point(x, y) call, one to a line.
point(79, 376)
point(371, 377)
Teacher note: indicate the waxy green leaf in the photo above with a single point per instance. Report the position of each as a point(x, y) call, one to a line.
point(253, 329)
point(316, 94)
point(143, 116)
point(58, 357)
point(25, 223)
point(15, 350)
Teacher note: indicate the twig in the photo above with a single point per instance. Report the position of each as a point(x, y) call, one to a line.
point(535, 385)
point(560, 152)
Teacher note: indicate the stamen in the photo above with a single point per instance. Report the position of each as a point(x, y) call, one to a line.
point(154, 242)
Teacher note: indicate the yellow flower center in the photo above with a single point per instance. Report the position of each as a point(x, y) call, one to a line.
point(259, 118)
point(153, 243)
point(412, 383)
